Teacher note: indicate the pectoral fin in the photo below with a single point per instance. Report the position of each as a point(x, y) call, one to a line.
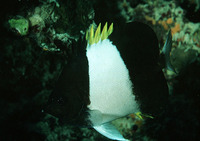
point(109, 131)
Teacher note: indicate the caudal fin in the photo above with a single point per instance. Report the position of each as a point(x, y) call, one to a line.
point(166, 52)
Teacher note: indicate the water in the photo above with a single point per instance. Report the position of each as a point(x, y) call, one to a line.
point(39, 37)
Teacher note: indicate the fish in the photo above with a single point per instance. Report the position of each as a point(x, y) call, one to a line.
point(116, 73)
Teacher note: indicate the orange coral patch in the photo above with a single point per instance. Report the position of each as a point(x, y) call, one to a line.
point(164, 24)
point(175, 29)
point(169, 21)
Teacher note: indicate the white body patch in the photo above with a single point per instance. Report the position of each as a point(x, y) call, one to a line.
point(110, 86)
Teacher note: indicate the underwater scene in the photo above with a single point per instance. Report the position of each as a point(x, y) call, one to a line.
point(100, 70)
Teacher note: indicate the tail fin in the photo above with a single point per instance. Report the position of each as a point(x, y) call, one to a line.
point(166, 52)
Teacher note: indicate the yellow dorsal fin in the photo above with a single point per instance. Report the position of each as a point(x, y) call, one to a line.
point(110, 29)
point(97, 35)
point(104, 32)
point(93, 36)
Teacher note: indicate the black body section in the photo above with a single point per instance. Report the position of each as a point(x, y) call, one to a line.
point(70, 97)
point(138, 46)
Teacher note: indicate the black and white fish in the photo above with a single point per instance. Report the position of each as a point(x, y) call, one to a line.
point(112, 78)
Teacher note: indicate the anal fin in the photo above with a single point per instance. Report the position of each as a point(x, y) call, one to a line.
point(109, 131)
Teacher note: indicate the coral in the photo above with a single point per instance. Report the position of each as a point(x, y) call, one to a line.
point(169, 16)
point(169, 21)
point(152, 20)
point(45, 34)
point(20, 25)
point(175, 29)
point(31, 63)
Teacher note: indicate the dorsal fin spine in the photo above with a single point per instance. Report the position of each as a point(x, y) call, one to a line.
point(94, 37)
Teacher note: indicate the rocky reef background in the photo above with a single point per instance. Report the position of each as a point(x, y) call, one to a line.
point(37, 37)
